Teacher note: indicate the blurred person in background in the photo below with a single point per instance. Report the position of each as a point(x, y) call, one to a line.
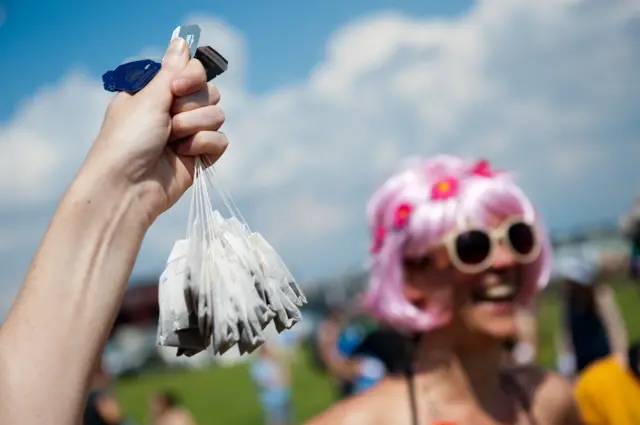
point(630, 224)
point(326, 338)
point(336, 335)
point(358, 352)
point(591, 323)
point(373, 351)
point(165, 409)
point(457, 249)
point(354, 373)
point(388, 346)
point(608, 391)
point(270, 372)
point(288, 342)
point(101, 406)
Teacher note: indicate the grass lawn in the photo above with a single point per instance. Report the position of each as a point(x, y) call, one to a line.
point(226, 396)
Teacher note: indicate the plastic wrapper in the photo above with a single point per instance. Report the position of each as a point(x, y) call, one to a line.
point(223, 284)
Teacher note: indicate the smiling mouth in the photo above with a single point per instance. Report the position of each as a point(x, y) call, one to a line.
point(502, 292)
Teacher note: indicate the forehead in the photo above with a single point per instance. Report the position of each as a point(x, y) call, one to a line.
point(493, 219)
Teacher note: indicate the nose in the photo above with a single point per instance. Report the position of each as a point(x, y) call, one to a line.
point(503, 258)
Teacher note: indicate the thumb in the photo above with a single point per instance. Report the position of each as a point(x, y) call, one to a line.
point(175, 60)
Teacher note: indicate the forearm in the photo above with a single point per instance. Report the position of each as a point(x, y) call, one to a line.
point(613, 321)
point(68, 303)
point(343, 367)
point(618, 337)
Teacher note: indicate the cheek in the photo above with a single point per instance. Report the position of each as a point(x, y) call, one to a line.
point(427, 289)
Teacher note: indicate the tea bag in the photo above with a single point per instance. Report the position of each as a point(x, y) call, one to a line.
point(273, 281)
point(223, 284)
point(177, 327)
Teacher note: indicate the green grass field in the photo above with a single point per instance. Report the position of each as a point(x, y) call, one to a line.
point(226, 395)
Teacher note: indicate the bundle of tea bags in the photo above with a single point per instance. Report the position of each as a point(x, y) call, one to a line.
point(223, 284)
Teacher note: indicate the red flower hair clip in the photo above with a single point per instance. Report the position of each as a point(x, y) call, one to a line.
point(444, 189)
point(378, 239)
point(402, 215)
point(483, 169)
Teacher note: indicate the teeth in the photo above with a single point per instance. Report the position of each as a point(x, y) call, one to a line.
point(500, 291)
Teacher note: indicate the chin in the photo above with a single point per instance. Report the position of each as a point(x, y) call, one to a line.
point(497, 323)
point(499, 332)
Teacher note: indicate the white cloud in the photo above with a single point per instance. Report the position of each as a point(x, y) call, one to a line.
point(545, 87)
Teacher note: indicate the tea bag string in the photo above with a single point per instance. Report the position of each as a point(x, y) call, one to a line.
point(228, 201)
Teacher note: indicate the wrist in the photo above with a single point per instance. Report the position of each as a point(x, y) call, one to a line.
point(98, 194)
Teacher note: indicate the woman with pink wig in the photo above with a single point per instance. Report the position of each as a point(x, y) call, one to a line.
point(457, 250)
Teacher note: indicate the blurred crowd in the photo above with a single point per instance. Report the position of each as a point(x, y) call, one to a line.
point(102, 408)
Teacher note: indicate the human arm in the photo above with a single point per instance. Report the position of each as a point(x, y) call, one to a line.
point(612, 319)
point(338, 365)
point(68, 302)
point(554, 403)
point(58, 325)
point(343, 367)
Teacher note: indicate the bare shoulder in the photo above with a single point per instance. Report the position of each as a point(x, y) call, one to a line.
point(549, 395)
point(368, 408)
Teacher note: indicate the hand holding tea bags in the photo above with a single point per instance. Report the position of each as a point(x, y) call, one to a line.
point(222, 284)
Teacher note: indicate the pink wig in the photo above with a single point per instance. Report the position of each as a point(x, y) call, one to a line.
point(417, 206)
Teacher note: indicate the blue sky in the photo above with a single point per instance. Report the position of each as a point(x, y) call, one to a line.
point(286, 37)
point(323, 99)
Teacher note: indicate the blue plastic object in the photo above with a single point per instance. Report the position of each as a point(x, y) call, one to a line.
point(130, 77)
point(349, 339)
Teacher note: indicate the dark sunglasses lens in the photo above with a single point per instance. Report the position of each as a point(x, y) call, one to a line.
point(473, 247)
point(522, 238)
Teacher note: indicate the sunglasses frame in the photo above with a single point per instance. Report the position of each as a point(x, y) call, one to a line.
point(496, 236)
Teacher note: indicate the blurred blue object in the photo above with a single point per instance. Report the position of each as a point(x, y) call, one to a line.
point(349, 339)
point(372, 370)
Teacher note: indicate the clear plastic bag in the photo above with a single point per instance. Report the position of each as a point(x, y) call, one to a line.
point(223, 284)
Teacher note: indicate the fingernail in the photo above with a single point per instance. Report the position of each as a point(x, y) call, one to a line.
point(176, 47)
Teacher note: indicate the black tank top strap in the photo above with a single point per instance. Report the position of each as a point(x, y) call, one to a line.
point(511, 384)
point(412, 397)
point(412, 345)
